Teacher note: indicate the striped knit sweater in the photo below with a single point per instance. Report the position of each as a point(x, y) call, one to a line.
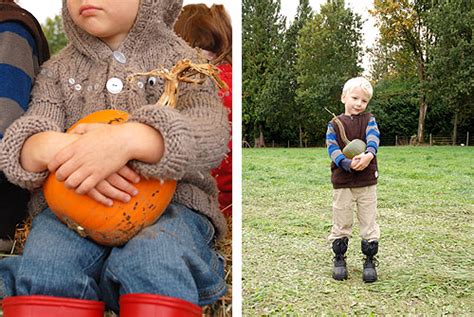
point(372, 138)
point(18, 67)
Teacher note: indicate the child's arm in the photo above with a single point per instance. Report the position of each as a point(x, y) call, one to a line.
point(372, 136)
point(334, 150)
point(40, 149)
point(102, 150)
point(17, 71)
point(195, 133)
point(161, 142)
point(43, 123)
point(43, 119)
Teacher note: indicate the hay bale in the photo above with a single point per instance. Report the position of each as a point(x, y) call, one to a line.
point(223, 307)
point(21, 233)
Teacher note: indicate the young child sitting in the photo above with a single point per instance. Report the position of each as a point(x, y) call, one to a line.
point(354, 179)
point(171, 265)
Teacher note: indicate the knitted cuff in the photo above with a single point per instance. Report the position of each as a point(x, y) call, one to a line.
point(346, 164)
point(371, 150)
point(177, 142)
point(195, 135)
point(12, 144)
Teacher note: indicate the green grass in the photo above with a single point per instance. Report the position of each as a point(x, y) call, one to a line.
point(426, 216)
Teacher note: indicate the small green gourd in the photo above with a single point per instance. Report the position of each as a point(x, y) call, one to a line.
point(352, 148)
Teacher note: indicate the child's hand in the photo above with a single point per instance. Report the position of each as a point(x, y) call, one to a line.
point(355, 160)
point(96, 154)
point(40, 149)
point(362, 161)
point(118, 186)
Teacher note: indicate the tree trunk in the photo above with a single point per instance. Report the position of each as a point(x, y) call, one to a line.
point(421, 121)
point(455, 128)
point(260, 141)
point(301, 135)
point(423, 105)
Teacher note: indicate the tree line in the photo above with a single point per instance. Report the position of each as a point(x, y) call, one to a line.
point(422, 68)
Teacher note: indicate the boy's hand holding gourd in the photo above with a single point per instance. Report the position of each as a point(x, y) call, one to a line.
point(361, 161)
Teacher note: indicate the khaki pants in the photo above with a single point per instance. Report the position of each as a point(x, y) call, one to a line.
point(365, 199)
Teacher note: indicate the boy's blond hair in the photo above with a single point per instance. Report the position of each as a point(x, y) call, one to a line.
point(361, 82)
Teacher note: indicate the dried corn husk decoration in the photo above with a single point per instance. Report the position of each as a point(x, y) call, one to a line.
point(352, 148)
point(182, 71)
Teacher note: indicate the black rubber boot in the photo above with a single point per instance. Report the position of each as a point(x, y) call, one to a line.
point(339, 246)
point(370, 249)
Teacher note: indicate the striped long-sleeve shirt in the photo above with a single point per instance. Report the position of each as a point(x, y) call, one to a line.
point(372, 136)
point(18, 66)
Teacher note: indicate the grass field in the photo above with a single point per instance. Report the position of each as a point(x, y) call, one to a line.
point(426, 216)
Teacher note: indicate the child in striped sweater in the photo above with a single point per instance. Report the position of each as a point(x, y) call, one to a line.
point(23, 48)
point(354, 180)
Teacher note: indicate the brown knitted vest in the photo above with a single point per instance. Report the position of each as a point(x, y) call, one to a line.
point(354, 127)
point(12, 12)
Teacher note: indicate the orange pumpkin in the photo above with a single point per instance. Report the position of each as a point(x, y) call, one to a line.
point(108, 225)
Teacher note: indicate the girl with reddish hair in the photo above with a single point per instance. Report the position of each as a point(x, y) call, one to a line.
point(210, 30)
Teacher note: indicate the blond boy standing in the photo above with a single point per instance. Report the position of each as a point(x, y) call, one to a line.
point(354, 180)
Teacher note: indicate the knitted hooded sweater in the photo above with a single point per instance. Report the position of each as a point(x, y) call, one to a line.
point(73, 84)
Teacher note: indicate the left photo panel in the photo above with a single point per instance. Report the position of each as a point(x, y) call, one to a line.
point(116, 162)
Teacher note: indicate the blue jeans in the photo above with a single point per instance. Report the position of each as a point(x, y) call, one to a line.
point(174, 257)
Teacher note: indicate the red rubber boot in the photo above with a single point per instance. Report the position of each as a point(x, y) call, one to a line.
point(141, 305)
point(51, 306)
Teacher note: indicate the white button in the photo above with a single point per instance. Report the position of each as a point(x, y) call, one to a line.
point(71, 81)
point(119, 57)
point(78, 87)
point(114, 85)
point(140, 84)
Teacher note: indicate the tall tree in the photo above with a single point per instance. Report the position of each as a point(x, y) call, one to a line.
point(452, 64)
point(403, 28)
point(395, 107)
point(390, 62)
point(262, 34)
point(329, 52)
point(289, 70)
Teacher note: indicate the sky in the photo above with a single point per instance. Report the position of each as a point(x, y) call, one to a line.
point(369, 31)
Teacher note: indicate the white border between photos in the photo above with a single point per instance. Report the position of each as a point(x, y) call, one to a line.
point(234, 7)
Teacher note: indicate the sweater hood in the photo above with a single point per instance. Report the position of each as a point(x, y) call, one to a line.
point(154, 18)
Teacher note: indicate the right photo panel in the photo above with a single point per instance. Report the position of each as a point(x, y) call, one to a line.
point(357, 159)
